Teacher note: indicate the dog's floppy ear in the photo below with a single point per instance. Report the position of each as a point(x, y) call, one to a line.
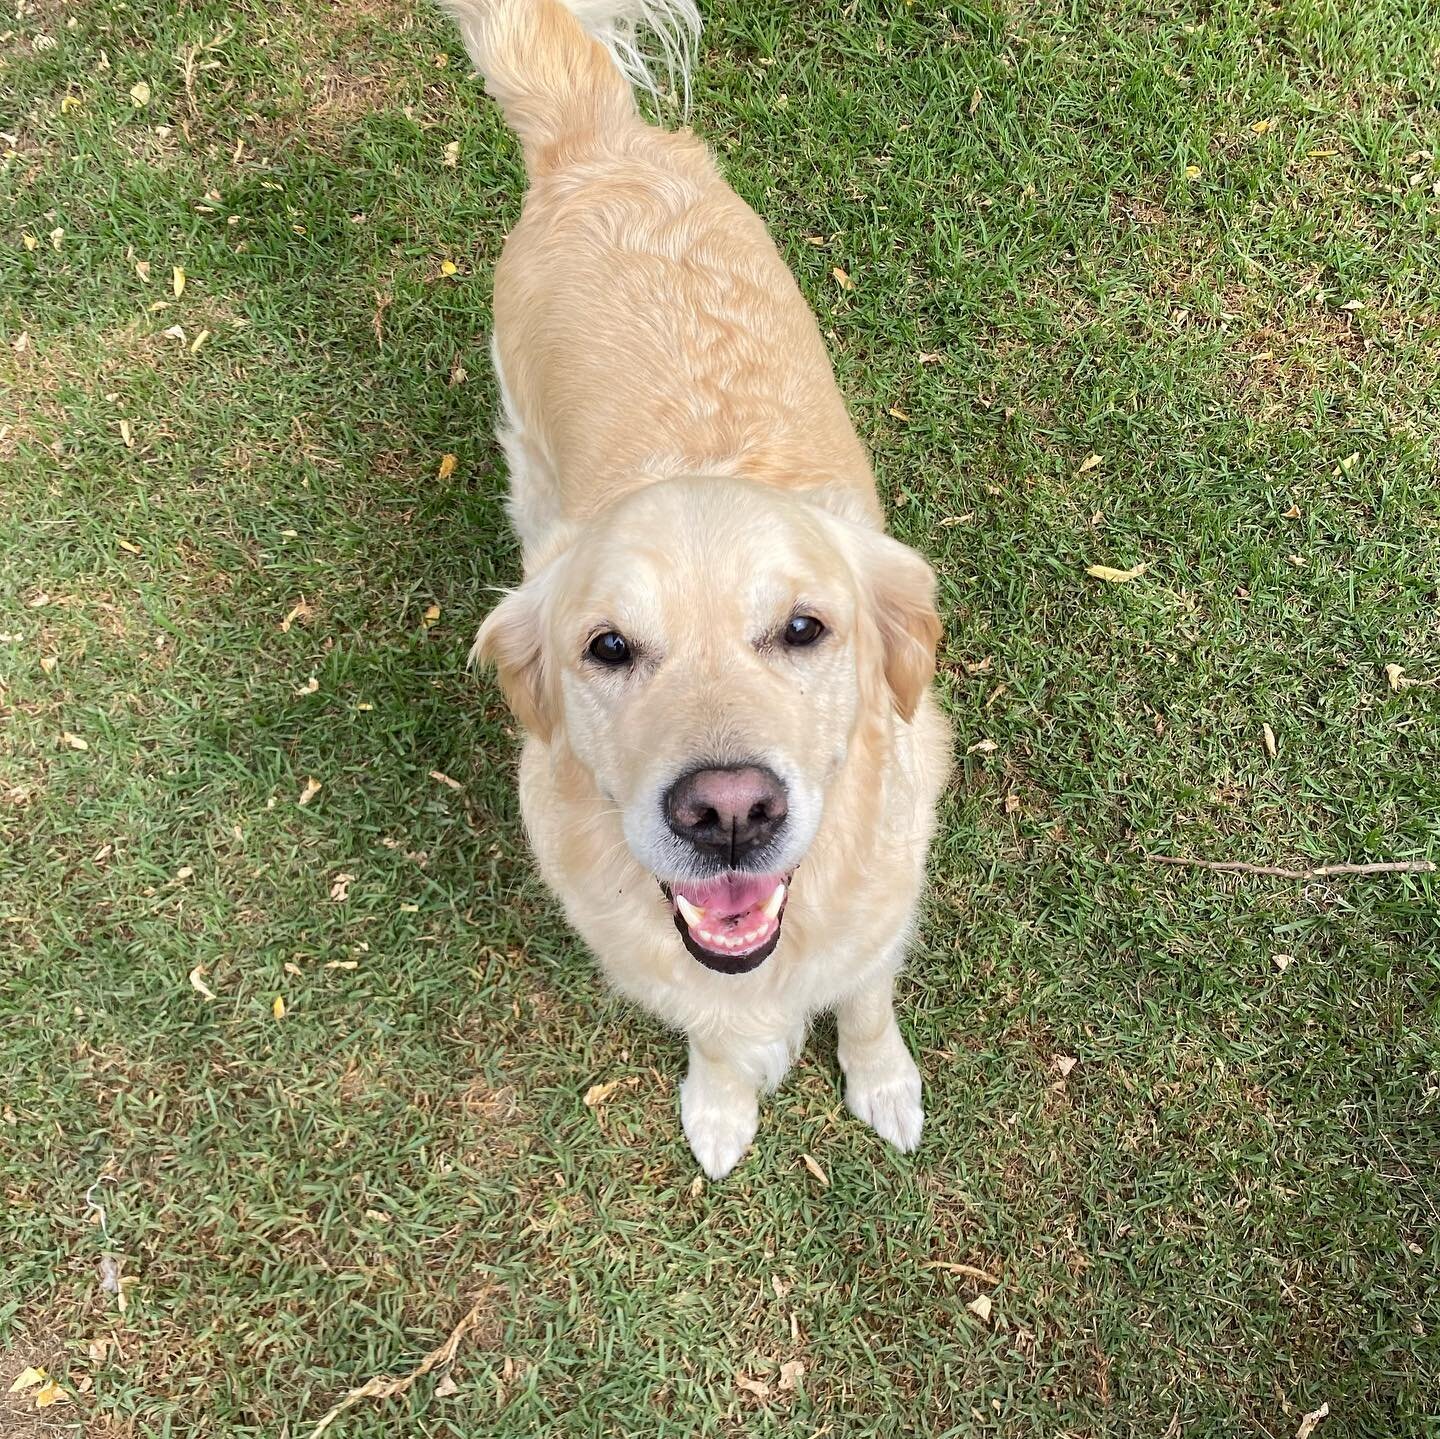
point(512, 639)
point(900, 589)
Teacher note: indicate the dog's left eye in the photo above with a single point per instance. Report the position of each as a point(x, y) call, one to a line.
point(803, 630)
point(610, 648)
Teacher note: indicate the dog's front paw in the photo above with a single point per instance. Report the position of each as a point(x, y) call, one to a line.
point(719, 1126)
point(888, 1100)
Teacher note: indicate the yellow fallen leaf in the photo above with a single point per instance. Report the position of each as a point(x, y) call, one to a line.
point(846, 283)
point(69, 103)
point(1320, 154)
point(127, 434)
point(49, 1394)
point(198, 341)
point(1263, 127)
point(312, 788)
point(980, 1307)
point(128, 547)
point(1268, 736)
point(452, 154)
point(197, 983)
point(28, 1379)
point(597, 1094)
point(448, 465)
point(73, 741)
point(277, 1007)
point(31, 242)
point(56, 236)
point(897, 413)
point(1192, 172)
point(300, 611)
point(814, 1167)
point(432, 614)
point(449, 267)
point(1116, 577)
point(1089, 463)
point(140, 93)
point(142, 269)
point(177, 280)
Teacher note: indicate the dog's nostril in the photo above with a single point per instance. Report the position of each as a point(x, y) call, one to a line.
point(758, 813)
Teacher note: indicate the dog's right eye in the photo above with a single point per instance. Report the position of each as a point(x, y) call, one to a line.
point(610, 649)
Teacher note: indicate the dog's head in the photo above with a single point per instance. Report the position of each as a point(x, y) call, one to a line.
point(708, 647)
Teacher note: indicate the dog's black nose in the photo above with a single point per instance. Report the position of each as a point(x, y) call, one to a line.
point(727, 812)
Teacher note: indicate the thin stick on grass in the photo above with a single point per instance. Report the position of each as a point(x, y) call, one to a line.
point(969, 1270)
point(1324, 871)
point(384, 1386)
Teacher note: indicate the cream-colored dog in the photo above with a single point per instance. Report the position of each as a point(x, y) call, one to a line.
point(721, 661)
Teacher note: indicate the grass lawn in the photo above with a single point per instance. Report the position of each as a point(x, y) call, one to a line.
point(1126, 285)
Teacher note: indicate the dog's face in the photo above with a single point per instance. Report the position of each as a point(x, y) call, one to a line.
point(708, 647)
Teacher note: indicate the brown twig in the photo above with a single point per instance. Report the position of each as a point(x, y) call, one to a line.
point(969, 1270)
point(1394, 866)
point(383, 1386)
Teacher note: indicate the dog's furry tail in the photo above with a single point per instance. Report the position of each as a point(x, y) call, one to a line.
point(559, 68)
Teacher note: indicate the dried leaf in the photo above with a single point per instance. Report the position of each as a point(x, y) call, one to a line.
point(127, 434)
point(140, 94)
point(309, 687)
point(1113, 576)
point(452, 154)
point(697, 1186)
point(846, 283)
point(980, 1307)
point(757, 1387)
point(1192, 172)
point(142, 268)
point(277, 1007)
point(447, 1386)
point(1395, 674)
point(1282, 962)
point(983, 746)
point(974, 101)
point(56, 236)
point(896, 412)
point(198, 341)
point(1065, 1063)
point(69, 103)
point(343, 964)
point(22, 342)
point(28, 1379)
point(49, 1394)
point(448, 465)
point(1293, 513)
point(177, 280)
point(73, 741)
point(814, 1167)
point(312, 788)
point(340, 888)
point(48, 663)
point(432, 614)
point(791, 1373)
point(449, 267)
point(197, 983)
point(930, 357)
point(597, 1094)
point(1089, 463)
point(31, 242)
point(128, 546)
point(301, 611)
point(1311, 1422)
point(1263, 127)
point(445, 779)
point(1268, 735)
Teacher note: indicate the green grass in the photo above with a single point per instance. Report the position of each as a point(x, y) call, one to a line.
point(1225, 1215)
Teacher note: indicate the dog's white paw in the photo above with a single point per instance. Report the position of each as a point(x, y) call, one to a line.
point(888, 1100)
point(718, 1126)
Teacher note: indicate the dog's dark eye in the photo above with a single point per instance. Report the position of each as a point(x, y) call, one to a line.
point(803, 630)
point(610, 649)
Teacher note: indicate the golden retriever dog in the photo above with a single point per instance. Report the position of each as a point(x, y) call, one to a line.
point(721, 662)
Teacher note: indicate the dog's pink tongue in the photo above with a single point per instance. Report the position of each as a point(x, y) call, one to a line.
point(731, 894)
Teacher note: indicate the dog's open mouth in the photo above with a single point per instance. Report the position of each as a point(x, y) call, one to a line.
point(730, 923)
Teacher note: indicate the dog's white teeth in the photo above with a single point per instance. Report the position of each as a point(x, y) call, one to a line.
point(771, 908)
point(688, 912)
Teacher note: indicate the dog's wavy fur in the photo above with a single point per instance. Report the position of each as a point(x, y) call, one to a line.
point(671, 423)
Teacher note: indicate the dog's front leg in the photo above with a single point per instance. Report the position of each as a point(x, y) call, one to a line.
point(882, 1084)
point(719, 1100)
